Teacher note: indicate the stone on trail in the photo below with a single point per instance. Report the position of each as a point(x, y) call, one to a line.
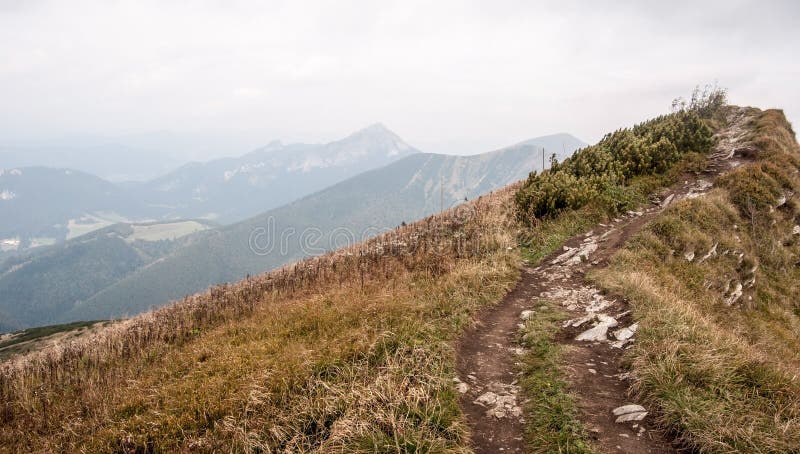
point(600, 330)
point(501, 404)
point(630, 412)
point(626, 333)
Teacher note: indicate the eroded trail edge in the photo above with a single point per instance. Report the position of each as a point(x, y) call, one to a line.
point(595, 336)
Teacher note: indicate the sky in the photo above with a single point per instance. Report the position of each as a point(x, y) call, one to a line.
point(451, 77)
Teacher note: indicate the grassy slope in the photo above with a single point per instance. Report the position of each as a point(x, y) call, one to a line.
point(358, 361)
point(33, 339)
point(724, 378)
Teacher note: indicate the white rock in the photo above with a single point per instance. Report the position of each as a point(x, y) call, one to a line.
point(631, 417)
point(502, 403)
point(711, 253)
point(625, 409)
point(796, 230)
point(668, 200)
point(462, 387)
point(600, 330)
point(735, 295)
point(626, 333)
point(630, 412)
point(688, 255)
point(487, 398)
point(524, 315)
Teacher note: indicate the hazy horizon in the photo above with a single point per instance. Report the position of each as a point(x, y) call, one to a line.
point(220, 79)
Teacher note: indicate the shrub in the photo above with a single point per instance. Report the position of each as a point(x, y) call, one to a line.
point(601, 170)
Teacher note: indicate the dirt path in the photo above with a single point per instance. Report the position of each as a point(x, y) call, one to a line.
point(595, 336)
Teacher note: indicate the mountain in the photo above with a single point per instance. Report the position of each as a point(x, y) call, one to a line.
point(40, 205)
point(358, 208)
point(232, 189)
point(35, 288)
point(110, 161)
point(562, 144)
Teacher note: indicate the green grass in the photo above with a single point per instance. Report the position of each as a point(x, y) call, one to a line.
point(552, 423)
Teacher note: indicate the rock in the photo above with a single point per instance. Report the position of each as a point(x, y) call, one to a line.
point(630, 412)
point(462, 387)
point(625, 409)
point(711, 253)
point(524, 315)
point(626, 333)
point(600, 330)
point(734, 295)
point(502, 402)
point(597, 304)
point(578, 321)
point(796, 230)
point(574, 256)
point(668, 200)
point(688, 255)
point(487, 398)
point(751, 281)
point(784, 198)
point(631, 417)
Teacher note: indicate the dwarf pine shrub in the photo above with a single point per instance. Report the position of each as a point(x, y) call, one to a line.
point(600, 170)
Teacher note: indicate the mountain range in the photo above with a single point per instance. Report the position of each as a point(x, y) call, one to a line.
point(42, 206)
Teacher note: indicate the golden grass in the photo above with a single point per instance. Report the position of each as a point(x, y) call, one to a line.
point(350, 352)
point(723, 378)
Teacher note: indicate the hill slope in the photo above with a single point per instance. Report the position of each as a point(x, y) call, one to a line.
point(45, 205)
point(37, 287)
point(355, 209)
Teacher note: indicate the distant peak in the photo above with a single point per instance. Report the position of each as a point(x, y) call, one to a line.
point(274, 144)
point(375, 129)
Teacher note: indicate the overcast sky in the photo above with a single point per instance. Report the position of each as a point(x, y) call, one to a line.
point(455, 77)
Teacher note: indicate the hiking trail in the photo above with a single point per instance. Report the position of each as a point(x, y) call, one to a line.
point(595, 337)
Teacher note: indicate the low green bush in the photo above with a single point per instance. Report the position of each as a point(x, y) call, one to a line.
point(603, 170)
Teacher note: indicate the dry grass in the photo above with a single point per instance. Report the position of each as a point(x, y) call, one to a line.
point(348, 352)
point(722, 377)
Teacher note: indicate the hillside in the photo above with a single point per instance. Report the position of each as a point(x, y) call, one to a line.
point(40, 205)
point(638, 296)
point(347, 212)
point(39, 286)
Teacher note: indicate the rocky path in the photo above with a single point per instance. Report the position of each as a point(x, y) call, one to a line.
point(595, 337)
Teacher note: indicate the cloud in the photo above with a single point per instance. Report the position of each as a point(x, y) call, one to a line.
point(452, 76)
